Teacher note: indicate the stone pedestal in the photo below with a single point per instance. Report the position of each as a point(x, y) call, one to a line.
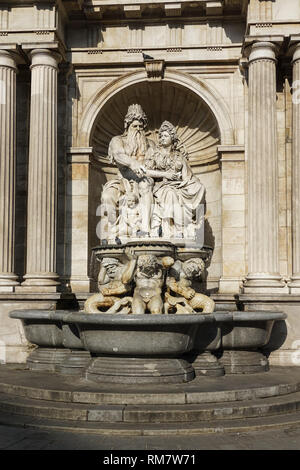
point(75, 363)
point(207, 364)
point(294, 285)
point(47, 359)
point(132, 370)
point(244, 362)
point(8, 280)
point(263, 226)
point(42, 174)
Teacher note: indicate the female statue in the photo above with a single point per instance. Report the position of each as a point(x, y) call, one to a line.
point(177, 198)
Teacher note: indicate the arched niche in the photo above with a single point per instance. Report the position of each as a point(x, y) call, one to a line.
point(198, 130)
point(197, 127)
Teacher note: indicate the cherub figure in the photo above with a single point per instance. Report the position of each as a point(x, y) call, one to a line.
point(190, 300)
point(130, 217)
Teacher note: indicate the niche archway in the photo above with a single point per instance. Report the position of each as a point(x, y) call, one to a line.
point(196, 125)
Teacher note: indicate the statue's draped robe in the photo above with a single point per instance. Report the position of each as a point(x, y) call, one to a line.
point(177, 200)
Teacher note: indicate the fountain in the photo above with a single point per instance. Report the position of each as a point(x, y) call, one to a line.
point(149, 323)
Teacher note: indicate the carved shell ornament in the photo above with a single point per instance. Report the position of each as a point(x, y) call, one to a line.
point(196, 126)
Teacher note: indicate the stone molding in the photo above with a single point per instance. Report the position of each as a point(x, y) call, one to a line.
point(80, 154)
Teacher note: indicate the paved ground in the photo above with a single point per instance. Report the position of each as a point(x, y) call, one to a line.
point(28, 439)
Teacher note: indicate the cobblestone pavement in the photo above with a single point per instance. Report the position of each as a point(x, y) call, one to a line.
point(29, 439)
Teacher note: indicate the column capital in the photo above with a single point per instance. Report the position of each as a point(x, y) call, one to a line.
point(44, 57)
point(263, 50)
point(8, 59)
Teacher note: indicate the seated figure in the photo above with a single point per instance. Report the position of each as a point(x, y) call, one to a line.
point(177, 198)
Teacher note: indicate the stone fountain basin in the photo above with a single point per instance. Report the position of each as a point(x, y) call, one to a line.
point(41, 327)
point(147, 334)
point(248, 330)
point(138, 335)
point(46, 328)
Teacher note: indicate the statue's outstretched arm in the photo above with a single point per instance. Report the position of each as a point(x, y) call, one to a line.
point(161, 174)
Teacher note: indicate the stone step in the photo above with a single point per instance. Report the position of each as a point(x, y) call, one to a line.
point(141, 414)
point(289, 421)
point(57, 388)
point(207, 412)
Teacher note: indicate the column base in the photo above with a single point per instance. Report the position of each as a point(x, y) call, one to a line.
point(264, 283)
point(8, 282)
point(294, 285)
point(34, 289)
point(39, 283)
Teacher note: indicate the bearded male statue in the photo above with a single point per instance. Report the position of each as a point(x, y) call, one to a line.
point(128, 152)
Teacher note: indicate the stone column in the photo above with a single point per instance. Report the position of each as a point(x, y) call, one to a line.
point(42, 174)
point(263, 226)
point(295, 280)
point(7, 170)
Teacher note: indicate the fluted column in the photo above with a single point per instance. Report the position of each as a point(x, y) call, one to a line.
point(263, 225)
point(7, 170)
point(42, 173)
point(295, 281)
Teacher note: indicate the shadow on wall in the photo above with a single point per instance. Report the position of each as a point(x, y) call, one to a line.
point(65, 201)
point(209, 240)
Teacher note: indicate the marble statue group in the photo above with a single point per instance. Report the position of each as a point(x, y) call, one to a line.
point(155, 193)
point(150, 204)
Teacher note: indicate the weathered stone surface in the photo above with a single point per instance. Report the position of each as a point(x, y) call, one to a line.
point(206, 364)
point(244, 362)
